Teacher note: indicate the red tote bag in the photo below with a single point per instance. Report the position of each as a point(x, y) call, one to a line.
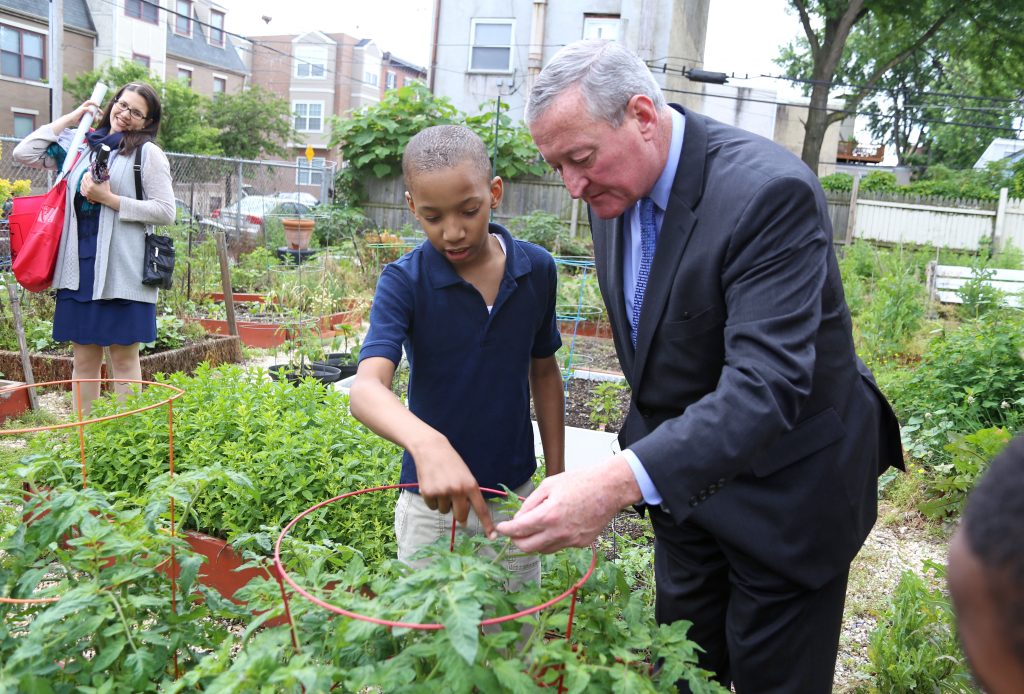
point(36, 223)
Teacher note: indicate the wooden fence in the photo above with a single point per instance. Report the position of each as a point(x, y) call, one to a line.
point(887, 218)
point(385, 203)
point(913, 219)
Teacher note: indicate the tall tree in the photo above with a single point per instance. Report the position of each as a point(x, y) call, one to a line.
point(182, 124)
point(900, 31)
point(251, 123)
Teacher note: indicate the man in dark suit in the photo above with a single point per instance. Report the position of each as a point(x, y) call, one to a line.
point(755, 435)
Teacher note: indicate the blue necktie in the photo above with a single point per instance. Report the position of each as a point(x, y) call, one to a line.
point(648, 240)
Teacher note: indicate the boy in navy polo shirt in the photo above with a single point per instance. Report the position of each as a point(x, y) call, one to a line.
point(475, 311)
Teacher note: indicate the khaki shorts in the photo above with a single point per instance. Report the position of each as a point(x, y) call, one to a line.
point(417, 526)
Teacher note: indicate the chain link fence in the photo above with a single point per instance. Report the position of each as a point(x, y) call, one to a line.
point(238, 196)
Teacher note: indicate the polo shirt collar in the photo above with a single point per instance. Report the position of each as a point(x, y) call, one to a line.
point(442, 274)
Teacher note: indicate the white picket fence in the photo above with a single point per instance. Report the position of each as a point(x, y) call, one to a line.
point(959, 224)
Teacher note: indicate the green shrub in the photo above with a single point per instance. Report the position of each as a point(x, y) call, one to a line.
point(949, 483)
point(976, 369)
point(978, 295)
point(895, 310)
point(914, 648)
point(837, 182)
point(551, 232)
point(879, 182)
point(286, 448)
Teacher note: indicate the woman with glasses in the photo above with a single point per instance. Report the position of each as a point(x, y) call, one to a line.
point(101, 301)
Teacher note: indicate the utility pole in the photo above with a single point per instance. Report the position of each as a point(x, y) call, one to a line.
point(55, 73)
point(497, 120)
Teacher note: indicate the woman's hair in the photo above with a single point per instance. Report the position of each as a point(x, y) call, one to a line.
point(136, 138)
point(606, 74)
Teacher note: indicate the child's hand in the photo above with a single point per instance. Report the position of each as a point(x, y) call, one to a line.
point(446, 484)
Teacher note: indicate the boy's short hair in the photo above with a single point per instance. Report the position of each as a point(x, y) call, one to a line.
point(994, 524)
point(442, 147)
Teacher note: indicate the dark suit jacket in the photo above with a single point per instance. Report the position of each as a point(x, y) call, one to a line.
point(750, 409)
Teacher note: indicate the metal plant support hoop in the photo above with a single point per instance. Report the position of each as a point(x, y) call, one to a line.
point(81, 424)
point(279, 565)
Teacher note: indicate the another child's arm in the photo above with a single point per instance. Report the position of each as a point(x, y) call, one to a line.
point(445, 482)
point(549, 404)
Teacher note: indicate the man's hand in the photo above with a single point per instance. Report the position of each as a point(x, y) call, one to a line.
point(571, 509)
point(446, 484)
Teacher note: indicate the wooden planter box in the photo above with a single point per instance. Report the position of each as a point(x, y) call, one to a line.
point(14, 403)
point(215, 350)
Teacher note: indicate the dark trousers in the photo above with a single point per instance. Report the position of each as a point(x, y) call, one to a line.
point(760, 631)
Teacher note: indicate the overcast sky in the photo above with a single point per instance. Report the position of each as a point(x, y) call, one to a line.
point(743, 35)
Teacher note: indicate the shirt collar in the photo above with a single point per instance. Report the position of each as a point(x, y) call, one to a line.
point(663, 187)
point(442, 274)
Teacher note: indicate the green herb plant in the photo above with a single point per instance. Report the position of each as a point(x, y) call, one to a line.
point(914, 647)
point(605, 404)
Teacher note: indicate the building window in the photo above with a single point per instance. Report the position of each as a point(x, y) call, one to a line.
point(371, 78)
point(183, 17)
point(142, 60)
point(391, 80)
point(309, 116)
point(185, 75)
point(309, 173)
point(491, 46)
point(216, 28)
point(22, 53)
point(220, 85)
point(310, 61)
point(141, 9)
point(24, 124)
point(601, 26)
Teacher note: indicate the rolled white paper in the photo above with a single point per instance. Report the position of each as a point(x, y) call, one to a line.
point(98, 92)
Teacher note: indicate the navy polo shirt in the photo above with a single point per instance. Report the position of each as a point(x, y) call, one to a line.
point(469, 369)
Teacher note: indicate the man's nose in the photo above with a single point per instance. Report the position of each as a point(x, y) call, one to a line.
point(575, 183)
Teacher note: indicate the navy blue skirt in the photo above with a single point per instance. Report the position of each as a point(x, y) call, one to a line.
point(103, 322)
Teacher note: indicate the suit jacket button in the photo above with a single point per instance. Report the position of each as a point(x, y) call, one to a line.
point(703, 495)
point(693, 501)
point(721, 482)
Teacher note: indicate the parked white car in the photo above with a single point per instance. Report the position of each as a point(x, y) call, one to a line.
point(304, 198)
point(250, 214)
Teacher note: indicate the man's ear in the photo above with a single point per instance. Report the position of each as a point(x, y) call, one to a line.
point(641, 109)
point(497, 191)
point(411, 203)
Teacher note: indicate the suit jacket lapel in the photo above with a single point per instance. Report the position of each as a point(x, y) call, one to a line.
point(608, 249)
point(675, 232)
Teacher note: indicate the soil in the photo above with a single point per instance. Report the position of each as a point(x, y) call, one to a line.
point(598, 354)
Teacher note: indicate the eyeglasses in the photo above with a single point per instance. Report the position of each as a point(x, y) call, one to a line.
point(133, 112)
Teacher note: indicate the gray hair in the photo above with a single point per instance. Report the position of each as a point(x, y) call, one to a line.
point(605, 72)
point(442, 147)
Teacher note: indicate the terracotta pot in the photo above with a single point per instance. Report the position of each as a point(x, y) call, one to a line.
point(13, 402)
point(298, 232)
point(251, 333)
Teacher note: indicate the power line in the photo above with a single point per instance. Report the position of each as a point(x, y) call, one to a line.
point(981, 126)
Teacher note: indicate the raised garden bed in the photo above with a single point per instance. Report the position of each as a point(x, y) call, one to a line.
point(214, 349)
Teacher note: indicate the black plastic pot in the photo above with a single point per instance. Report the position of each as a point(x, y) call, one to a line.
point(342, 361)
point(320, 371)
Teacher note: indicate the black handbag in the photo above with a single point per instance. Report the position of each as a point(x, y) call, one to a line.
point(158, 260)
point(159, 268)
